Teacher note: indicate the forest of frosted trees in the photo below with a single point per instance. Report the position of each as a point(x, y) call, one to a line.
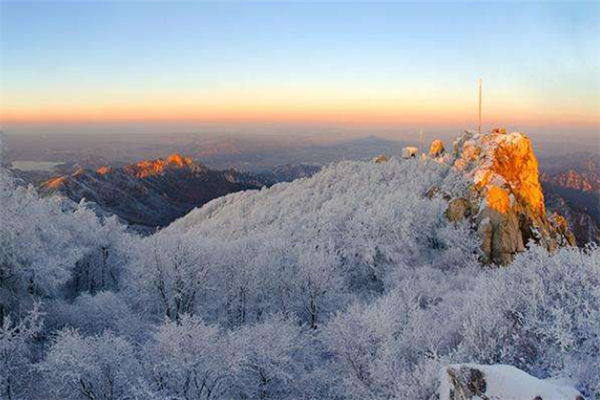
point(347, 285)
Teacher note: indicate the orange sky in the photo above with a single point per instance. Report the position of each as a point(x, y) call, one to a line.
point(339, 63)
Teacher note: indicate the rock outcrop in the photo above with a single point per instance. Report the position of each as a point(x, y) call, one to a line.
point(437, 149)
point(499, 382)
point(506, 197)
point(379, 159)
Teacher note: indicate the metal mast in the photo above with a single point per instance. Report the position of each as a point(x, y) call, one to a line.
point(479, 126)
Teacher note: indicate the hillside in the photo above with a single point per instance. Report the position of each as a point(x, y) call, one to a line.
point(427, 277)
point(494, 176)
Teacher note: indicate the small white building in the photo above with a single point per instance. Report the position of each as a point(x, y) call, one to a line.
point(410, 152)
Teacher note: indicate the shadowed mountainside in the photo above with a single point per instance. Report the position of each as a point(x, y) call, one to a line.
point(573, 190)
point(150, 193)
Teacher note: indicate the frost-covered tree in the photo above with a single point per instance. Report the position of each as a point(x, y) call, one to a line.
point(168, 275)
point(36, 241)
point(273, 357)
point(320, 284)
point(51, 243)
point(106, 247)
point(16, 362)
point(99, 367)
point(91, 314)
point(188, 360)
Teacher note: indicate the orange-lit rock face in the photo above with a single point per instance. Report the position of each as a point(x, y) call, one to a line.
point(56, 182)
point(517, 164)
point(506, 185)
point(104, 170)
point(497, 199)
point(437, 149)
point(178, 160)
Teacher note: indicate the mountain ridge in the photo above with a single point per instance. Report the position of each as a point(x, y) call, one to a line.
point(150, 192)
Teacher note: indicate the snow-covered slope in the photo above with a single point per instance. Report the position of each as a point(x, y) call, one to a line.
point(364, 210)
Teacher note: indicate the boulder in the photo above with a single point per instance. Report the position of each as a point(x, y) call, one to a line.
point(458, 209)
point(437, 149)
point(499, 382)
point(379, 159)
point(410, 152)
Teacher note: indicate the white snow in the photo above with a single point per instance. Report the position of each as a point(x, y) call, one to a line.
point(505, 382)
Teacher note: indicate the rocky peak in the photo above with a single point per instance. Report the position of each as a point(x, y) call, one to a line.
point(506, 199)
point(179, 160)
point(146, 168)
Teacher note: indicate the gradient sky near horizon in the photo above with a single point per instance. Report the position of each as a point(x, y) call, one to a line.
point(114, 66)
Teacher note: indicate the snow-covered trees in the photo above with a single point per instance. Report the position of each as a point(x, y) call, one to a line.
point(51, 244)
point(350, 285)
point(320, 284)
point(539, 315)
point(170, 273)
point(36, 240)
point(99, 367)
point(16, 361)
point(106, 248)
point(188, 360)
point(274, 359)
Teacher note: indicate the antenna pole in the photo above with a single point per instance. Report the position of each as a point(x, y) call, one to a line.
point(479, 126)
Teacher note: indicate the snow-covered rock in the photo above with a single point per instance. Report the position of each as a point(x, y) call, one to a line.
point(499, 382)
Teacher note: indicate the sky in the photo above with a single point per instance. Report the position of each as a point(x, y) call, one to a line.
point(166, 65)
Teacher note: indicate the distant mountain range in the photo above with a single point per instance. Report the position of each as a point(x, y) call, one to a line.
point(153, 193)
point(572, 188)
point(219, 151)
point(150, 193)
